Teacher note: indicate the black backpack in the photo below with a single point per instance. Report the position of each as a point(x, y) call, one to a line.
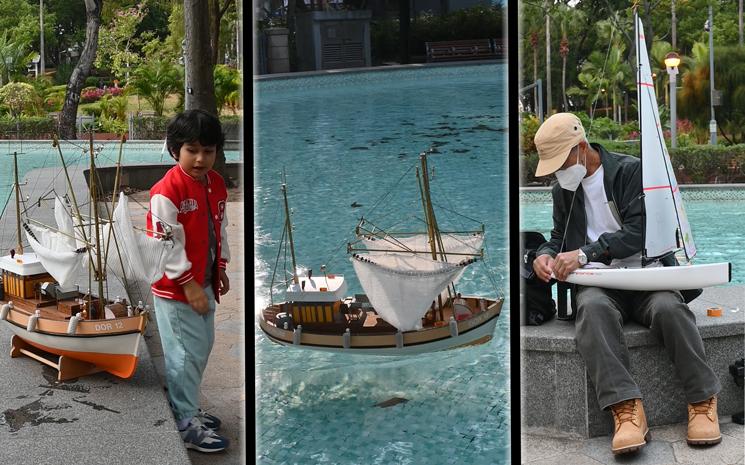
point(536, 302)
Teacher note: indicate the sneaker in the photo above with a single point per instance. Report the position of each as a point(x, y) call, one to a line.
point(198, 437)
point(210, 421)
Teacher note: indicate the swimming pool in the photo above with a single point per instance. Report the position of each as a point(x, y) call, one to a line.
point(349, 138)
point(716, 215)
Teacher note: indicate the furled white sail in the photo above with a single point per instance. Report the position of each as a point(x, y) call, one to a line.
point(666, 220)
point(64, 225)
point(142, 257)
point(452, 244)
point(402, 287)
point(56, 255)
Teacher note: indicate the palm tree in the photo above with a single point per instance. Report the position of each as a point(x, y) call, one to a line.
point(155, 81)
point(657, 53)
point(13, 57)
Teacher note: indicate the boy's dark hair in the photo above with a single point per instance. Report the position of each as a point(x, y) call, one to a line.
point(193, 125)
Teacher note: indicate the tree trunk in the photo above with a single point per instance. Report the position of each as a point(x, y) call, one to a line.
point(77, 79)
point(200, 82)
point(216, 14)
point(535, 79)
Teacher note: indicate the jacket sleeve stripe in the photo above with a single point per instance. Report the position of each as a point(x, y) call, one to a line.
point(178, 266)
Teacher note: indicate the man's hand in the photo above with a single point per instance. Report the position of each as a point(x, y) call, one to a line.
point(565, 263)
point(197, 297)
point(542, 266)
point(224, 282)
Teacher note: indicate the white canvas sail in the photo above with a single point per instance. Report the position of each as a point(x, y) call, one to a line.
point(142, 257)
point(56, 256)
point(401, 287)
point(452, 244)
point(666, 220)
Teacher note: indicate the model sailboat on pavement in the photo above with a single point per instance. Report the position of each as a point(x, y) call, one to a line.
point(666, 225)
point(42, 302)
point(411, 304)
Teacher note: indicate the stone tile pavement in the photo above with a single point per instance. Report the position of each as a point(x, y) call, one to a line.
point(667, 447)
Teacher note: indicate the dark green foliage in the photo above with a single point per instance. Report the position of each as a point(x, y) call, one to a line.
point(32, 127)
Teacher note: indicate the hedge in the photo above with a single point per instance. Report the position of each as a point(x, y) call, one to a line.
point(697, 164)
point(34, 127)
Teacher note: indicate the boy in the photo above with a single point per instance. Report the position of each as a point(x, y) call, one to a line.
point(190, 200)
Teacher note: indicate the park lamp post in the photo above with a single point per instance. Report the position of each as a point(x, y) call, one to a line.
point(709, 27)
point(8, 63)
point(672, 60)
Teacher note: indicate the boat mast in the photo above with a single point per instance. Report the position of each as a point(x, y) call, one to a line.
point(288, 225)
point(641, 145)
point(429, 213)
point(100, 275)
point(19, 246)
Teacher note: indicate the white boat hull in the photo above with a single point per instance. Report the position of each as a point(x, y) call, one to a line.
point(116, 354)
point(654, 279)
point(478, 329)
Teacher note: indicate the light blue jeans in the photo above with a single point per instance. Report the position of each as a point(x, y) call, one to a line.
point(187, 338)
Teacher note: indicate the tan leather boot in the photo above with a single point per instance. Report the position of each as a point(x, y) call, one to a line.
point(703, 423)
point(631, 431)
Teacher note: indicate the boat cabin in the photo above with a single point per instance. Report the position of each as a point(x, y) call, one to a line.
point(22, 275)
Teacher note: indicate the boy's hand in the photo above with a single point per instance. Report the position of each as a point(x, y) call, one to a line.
point(224, 282)
point(197, 297)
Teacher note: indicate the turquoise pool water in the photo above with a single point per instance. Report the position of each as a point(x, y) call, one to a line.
point(717, 217)
point(40, 154)
point(349, 138)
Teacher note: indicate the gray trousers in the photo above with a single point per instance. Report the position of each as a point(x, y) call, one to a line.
point(601, 314)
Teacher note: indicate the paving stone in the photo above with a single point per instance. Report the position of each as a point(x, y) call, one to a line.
point(563, 459)
point(729, 451)
point(534, 448)
point(654, 453)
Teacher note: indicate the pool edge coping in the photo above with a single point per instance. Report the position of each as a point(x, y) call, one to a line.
point(371, 69)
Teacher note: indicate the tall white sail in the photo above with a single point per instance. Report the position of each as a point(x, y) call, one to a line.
point(401, 287)
point(134, 255)
point(452, 244)
point(667, 226)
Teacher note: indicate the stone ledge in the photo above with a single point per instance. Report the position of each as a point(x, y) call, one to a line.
point(558, 336)
point(558, 396)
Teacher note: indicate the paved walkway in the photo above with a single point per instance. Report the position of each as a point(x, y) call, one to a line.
point(668, 446)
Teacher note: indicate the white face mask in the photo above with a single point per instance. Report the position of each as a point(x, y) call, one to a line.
point(572, 177)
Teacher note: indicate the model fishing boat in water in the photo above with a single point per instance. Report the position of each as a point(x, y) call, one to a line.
point(411, 304)
point(667, 230)
point(42, 302)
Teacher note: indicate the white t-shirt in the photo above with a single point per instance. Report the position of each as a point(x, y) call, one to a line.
point(599, 217)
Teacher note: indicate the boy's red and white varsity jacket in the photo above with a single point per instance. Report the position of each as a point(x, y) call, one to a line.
point(183, 203)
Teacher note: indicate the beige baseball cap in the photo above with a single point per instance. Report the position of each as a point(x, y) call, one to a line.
point(555, 139)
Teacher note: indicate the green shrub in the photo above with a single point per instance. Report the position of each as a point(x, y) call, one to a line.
point(91, 109)
point(19, 98)
point(63, 73)
point(33, 127)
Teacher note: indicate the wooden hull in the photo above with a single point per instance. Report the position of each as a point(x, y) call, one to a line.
point(475, 330)
point(111, 345)
point(663, 278)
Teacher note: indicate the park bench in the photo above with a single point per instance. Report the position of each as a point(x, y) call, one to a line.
point(557, 394)
point(457, 50)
